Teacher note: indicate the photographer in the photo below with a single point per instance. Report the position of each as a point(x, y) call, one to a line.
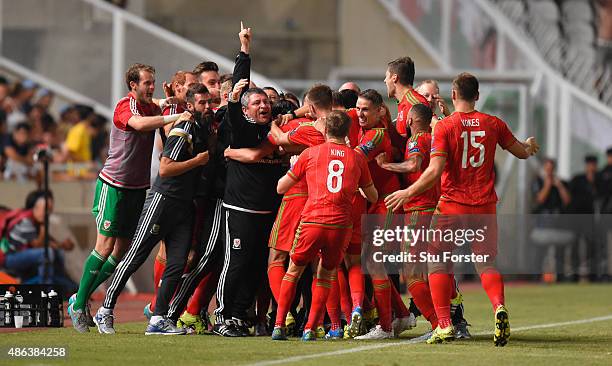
point(22, 251)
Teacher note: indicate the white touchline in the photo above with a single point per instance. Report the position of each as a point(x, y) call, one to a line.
point(418, 340)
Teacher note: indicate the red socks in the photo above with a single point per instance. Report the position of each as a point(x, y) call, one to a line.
point(159, 266)
point(400, 309)
point(382, 294)
point(201, 295)
point(276, 272)
point(345, 294)
point(493, 284)
point(333, 302)
point(319, 298)
point(286, 294)
point(422, 298)
point(356, 282)
point(440, 285)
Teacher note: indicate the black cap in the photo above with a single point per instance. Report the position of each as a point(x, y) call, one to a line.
point(590, 159)
point(609, 151)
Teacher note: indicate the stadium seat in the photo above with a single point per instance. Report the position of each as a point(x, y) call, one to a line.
point(515, 9)
point(577, 10)
point(579, 33)
point(544, 10)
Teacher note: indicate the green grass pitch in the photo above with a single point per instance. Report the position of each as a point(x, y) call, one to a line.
point(572, 343)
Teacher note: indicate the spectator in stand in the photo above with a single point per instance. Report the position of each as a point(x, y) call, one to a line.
point(44, 98)
point(19, 150)
point(22, 251)
point(551, 193)
point(35, 119)
point(20, 102)
point(69, 116)
point(77, 147)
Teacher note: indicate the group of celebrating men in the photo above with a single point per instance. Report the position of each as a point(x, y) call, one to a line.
point(242, 166)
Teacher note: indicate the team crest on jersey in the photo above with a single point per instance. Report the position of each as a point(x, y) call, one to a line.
point(106, 224)
point(412, 147)
point(400, 115)
point(367, 147)
point(155, 229)
point(236, 244)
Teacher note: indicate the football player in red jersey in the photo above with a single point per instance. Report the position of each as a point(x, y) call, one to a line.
point(373, 139)
point(333, 172)
point(462, 154)
point(399, 79)
point(420, 208)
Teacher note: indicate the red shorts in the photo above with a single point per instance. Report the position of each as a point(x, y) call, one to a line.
point(456, 216)
point(331, 242)
point(286, 223)
point(417, 220)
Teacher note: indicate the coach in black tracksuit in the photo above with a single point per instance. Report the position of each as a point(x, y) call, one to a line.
point(168, 209)
point(250, 201)
point(209, 194)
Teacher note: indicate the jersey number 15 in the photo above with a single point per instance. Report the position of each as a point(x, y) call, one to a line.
point(471, 136)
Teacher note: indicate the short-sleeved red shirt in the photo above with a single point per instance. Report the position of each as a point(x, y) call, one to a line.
point(353, 135)
point(304, 134)
point(128, 107)
point(373, 142)
point(409, 99)
point(469, 140)
point(333, 173)
point(420, 145)
point(174, 109)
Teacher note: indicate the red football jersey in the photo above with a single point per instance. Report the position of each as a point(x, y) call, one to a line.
point(411, 98)
point(333, 173)
point(128, 107)
point(174, 109)
point(353, 135)
point(468, 140)
point(420, 145)
point(294, 123)
point(307, 135)
point(373, 142)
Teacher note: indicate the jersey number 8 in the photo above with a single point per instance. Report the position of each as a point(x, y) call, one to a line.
point(335, 170)
point(472, 137)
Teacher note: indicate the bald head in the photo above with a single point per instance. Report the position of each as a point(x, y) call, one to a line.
point(350, 85)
